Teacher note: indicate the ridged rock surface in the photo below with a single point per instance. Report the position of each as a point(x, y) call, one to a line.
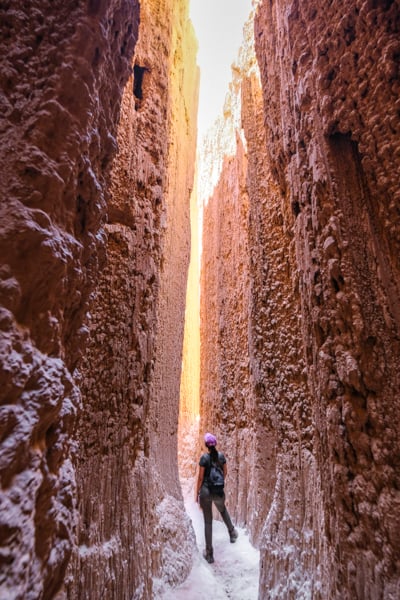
point(133, 530)
point(63, 70)
point(300, 338)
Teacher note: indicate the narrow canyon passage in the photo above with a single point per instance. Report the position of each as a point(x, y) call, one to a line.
point(235, 572)
point(290, 312)
point(274, 322)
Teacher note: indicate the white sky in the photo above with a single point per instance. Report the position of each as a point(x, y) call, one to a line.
point(218, 25)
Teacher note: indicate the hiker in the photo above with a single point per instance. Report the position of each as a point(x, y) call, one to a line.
point(209, 489)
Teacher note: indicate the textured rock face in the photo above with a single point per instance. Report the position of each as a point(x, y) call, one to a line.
point(132, 527)
point(336, 89)
point(300, 297)
point(304, 387)
point(61, 63)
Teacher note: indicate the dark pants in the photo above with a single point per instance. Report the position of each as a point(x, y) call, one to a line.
point(206, 500)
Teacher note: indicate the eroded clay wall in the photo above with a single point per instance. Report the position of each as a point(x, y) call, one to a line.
point(233, 399)
point(63, 70)
point(182, 115)
point(331, 83)
point(133, 531)
point(225, 389)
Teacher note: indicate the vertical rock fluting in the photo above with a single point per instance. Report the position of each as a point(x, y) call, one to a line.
point(63, 69)
point(331, 86)
point(132, 527)
point(224, 312)
point(280, 403)
point(182, 115)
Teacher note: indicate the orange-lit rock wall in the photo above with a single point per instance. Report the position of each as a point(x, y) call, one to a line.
point(189, 408)
point(184, 81)
point(133, 531)
point(63, 70)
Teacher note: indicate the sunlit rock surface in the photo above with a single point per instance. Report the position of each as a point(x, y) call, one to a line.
point(61, 64)
point(189, 405)
point(301, 281)
point(132, 527)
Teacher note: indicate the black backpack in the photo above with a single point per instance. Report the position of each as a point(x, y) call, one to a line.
point(215, 477)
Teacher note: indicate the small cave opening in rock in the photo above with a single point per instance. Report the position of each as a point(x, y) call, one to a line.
point(139, 82)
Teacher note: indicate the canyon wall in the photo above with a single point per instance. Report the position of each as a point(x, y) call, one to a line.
point(250, 334)
point(133, 532)
point(63, 70)
point(93, 277)
point(300, 338)
point(331, 75)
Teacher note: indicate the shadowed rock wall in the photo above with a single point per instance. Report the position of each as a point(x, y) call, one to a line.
point(331, 75)
point(224, 316)
point(63, 69)
point(132, 527)
point(313, 413)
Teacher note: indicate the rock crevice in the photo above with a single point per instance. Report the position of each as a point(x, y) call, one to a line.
point(299, 336)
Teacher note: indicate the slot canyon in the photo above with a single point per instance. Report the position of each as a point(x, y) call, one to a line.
point(155, 285)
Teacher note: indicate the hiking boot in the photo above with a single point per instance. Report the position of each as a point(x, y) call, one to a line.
point(209, 556)
point(233, 535)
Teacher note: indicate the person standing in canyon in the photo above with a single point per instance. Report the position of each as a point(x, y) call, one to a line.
point(209, 489)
